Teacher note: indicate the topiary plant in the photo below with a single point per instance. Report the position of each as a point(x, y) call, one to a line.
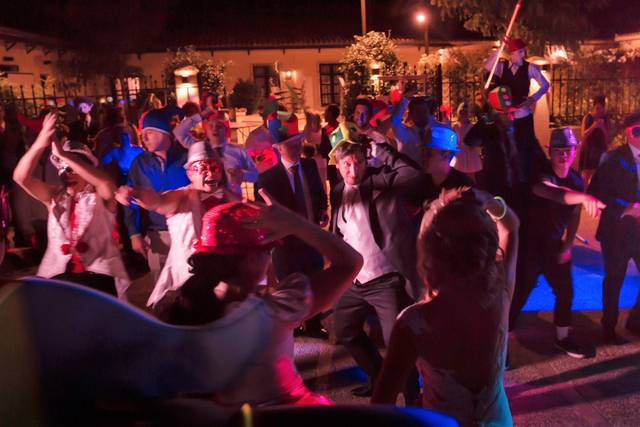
point(245, 95)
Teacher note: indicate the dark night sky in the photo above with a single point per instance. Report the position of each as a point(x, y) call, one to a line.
point(142, 24)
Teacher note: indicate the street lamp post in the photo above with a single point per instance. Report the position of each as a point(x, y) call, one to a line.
point(423, 20)
point(363, 16)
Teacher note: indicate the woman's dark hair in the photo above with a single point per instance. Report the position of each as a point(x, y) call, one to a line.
point(457, 253)
point(195, 303)
point(190, 108)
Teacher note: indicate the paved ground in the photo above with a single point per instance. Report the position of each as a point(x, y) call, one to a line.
point(545, 388)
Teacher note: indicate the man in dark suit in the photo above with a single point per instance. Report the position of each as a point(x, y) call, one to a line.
point(295, 183)
point(617, 184)
point(369, 212)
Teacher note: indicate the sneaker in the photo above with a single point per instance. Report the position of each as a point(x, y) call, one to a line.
point(573, 349)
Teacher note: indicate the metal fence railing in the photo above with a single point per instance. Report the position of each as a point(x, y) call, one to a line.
point(30, 100)
point(572, 94)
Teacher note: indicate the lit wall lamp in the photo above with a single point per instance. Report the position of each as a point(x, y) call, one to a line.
point(186, 85)
point(375, 68)
point(288, 74)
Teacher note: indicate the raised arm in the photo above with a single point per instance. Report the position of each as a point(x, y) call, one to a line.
point(508, 225)
point(344, 261)
point(23, 173)
point(401, 132)
point(105, 188)
point(399, 172)
point(182, 130)
point(488, 63)
point(536, 74)
point(166, 203)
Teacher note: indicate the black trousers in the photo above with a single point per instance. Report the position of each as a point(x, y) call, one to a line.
point(537, 260)
point(100, 282)
point(295, 256)
point(616, 253)
point(530, 154)
point(387, 297)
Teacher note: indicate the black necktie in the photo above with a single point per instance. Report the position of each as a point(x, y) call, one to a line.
point(298, 192)
point(219, 151)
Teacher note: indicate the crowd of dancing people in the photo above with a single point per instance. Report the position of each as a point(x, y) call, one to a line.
point(438, 231)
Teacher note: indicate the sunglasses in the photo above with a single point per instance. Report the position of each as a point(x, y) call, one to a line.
point(205, 165)
point(635, 131)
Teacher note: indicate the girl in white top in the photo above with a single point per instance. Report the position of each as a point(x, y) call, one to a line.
point(81, 247)
point(468, 159)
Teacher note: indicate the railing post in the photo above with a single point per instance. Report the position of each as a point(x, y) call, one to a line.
point(24, 102)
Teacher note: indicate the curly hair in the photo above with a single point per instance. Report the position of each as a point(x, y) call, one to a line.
point(457, 253)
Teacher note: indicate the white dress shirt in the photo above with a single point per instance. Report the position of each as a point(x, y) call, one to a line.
point(353, 222)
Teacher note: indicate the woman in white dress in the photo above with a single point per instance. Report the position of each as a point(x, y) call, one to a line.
point(457, 338)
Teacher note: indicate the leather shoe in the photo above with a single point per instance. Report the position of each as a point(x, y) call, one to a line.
point(364, 390)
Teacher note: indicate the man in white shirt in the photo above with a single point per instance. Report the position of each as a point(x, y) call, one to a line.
point(369, 212)
point(516, 74)
point(238, 166)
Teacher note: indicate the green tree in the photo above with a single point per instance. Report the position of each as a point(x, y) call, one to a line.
point(539, 22)
point(245, 95)
point(374, 49)
point(211, 73)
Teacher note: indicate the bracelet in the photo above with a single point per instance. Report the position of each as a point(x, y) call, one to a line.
point(504, 209)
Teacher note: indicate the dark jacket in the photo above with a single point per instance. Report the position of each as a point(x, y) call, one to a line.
point(615, 183)
point(276, 182)
point(294, 256)
point(384, 192)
